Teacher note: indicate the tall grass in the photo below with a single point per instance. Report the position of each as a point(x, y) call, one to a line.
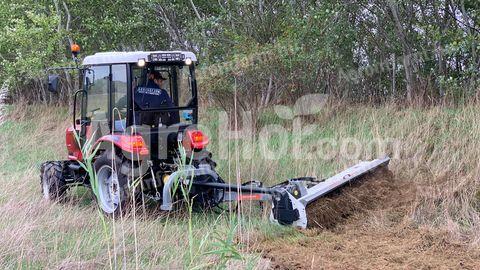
point(439, 158)
point(36, 234)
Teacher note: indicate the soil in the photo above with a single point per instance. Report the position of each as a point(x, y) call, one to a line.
point(364, 194)
point(366, 226)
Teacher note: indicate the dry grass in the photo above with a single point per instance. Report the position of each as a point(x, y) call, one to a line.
point(438, 161)
point(37, 234)
point(364, 194)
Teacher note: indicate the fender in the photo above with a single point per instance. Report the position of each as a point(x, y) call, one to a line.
point(134, 145)
point(73, 149)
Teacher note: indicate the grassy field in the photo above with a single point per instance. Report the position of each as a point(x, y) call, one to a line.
point(36, 234)
point(435, 151)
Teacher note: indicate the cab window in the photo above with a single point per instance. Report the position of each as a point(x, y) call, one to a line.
point(97, 105)
point(119, 91)
point(184, 86)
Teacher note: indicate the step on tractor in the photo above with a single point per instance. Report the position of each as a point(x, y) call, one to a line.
point(138, 130)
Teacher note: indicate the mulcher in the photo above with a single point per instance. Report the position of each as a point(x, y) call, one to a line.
point(138, 142)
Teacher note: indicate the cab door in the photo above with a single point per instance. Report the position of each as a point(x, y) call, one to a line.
point(98, 102)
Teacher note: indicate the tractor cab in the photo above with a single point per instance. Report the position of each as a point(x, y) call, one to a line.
point(148, 98)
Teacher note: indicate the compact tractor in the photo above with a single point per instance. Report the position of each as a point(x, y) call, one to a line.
point(137, 143)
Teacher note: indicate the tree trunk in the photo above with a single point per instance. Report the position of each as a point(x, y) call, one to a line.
point(394, 70)
point(407, 53)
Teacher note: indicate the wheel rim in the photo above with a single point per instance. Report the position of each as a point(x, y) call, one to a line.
point(108, 189)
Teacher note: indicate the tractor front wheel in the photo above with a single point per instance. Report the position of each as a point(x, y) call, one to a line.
point(111, 189)
point(52, 181)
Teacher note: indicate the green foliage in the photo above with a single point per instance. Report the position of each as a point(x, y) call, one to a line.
point(29, 41)
point(89, 152)
point(225, 247)
point(348, 49)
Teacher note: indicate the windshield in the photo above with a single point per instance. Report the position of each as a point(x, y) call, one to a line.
point(161, 86)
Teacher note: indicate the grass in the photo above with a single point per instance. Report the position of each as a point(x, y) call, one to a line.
point(439, 155)
point(36, 234)
point(435, 149)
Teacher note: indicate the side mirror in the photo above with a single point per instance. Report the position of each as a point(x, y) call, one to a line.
point(53, 83)
point(89, 77)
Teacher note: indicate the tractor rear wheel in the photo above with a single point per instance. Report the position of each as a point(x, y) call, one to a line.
point(112, 192)
point(52, 181)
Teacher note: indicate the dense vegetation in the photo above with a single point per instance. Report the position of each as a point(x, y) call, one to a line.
point(368, 50)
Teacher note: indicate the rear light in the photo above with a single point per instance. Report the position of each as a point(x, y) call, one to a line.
point(195, 139)
point(134, 144)
point(137, 143)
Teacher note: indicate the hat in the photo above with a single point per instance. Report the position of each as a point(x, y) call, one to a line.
point(157, 75)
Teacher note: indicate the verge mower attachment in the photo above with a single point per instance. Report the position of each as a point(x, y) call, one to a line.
point(291, 197)
point(290, 208)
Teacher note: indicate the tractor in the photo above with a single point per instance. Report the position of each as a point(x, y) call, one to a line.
point(143, 148)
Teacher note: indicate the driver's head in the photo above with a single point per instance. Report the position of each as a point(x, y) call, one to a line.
point(157, 77)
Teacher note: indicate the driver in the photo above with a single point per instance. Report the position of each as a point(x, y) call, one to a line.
point(153, 96)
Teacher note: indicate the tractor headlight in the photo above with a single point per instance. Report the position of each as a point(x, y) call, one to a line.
point(141, 62)
point(188, 61)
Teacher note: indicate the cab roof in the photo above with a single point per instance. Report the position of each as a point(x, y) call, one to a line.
point(129, 57)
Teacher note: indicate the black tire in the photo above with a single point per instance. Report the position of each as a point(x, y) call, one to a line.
point(113, 193)
point(52, 181)
point(208, 160)
point(206, 198)
point(202, 158)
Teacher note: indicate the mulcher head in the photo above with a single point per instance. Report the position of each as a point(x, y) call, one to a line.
point(292, 197)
